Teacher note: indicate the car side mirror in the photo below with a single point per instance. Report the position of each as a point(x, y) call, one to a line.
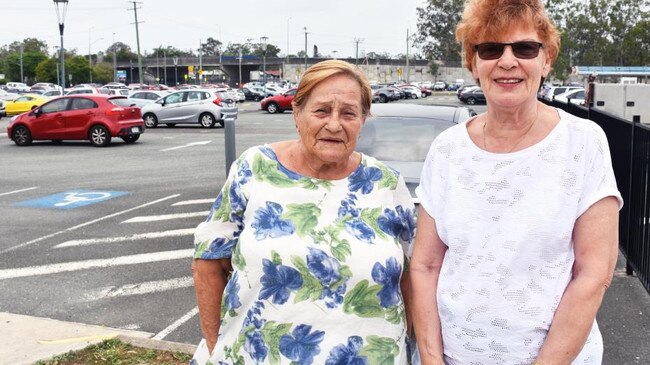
point(36, 112)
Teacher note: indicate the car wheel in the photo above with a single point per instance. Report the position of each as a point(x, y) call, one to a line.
point(150, 120)
point(413, 96)
point(22, 136)
point(383, 99)
point(99, 136)
point(471, 101)
point(258, 98)
point(206, 120)
point(131, 138)
point(272, 108)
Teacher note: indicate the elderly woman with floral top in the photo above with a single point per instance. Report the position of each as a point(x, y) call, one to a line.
point(302, 258)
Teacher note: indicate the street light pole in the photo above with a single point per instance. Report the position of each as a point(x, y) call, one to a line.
point(114, 61)
point(22, 76)
point(175, 59)
point(289, 18)
point(240, 57)
point(264, 40)
point(61, 7)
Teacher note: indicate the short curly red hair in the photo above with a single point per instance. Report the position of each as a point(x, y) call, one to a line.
point(487, 20)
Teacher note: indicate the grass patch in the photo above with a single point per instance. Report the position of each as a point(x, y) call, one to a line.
point(116, 352)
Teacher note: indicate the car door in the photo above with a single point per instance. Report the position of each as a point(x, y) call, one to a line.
point(49, 121)
point(285, 99)
point(192, 106)
point(170, 108)
point(80, 113)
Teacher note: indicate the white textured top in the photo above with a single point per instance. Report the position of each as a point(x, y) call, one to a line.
point(507, 220)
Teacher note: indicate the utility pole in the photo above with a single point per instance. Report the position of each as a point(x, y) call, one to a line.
point(305, 49)
point(356, 52)
point(137, 37)
point(408, 70)
point(200, 72)
point(114, 61)
point(22, 76)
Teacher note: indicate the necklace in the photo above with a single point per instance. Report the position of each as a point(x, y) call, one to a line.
point(518, 141)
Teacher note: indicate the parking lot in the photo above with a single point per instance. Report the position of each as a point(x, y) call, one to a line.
point(104, 235)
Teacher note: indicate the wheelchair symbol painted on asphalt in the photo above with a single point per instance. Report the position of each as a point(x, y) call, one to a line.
point(71, 199)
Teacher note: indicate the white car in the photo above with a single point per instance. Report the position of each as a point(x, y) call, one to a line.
point(193, 106)
point(144, 97)
point(557, 90)
point(577, 96)
point(8, 96)
point(18, 86)
point(413, 91)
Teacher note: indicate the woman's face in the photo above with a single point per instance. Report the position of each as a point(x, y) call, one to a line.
point(331, 118)
point(510, 81)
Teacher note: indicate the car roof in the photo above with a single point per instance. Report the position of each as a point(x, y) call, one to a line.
point(446, 112)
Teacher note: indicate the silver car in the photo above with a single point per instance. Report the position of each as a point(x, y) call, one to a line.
point(144, 97)
point(400, 135)
point(203, 106)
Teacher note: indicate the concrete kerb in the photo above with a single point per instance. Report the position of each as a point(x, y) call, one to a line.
point(25, 340)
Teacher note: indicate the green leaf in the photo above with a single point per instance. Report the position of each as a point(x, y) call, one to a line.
point(341, 250)
point(371, 218)
point(363, 301)
point(311, 288)
point(303, 216)
point(275, 258)
point(388, 178)
point(394, 314)
point(267, 170)
point(380, 350)
point(272, 333)
point(238, 260)
point(223, 212)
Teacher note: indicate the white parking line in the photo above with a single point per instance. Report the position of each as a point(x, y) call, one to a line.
point(19, 191)
point(86, 224)
point(138, 289)
point(162, 334)
point(164, 217)
point(191, 202)
point(186, 145)
point(97, 263)
point(135, 237)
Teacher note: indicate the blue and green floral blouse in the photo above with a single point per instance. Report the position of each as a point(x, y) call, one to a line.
point(316, 264)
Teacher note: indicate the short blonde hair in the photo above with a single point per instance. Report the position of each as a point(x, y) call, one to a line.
point(486, 20)
point(321, 71)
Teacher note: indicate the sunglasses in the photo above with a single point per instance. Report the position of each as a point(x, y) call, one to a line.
point(522, 50)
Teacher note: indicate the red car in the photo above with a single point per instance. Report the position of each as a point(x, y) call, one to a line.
point(278, 103)
point(93, 117)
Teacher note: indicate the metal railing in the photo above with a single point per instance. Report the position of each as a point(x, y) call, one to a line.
point(629, 144)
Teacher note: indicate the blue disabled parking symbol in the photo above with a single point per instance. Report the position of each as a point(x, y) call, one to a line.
point(71, 199)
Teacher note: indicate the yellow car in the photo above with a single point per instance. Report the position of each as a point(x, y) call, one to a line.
point(24, 103)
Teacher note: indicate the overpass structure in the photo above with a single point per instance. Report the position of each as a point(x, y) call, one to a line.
point(233, 70)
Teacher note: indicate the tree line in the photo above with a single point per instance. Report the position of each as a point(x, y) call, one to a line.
point(593, 32)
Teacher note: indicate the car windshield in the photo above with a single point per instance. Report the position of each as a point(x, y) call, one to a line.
point(400, 139)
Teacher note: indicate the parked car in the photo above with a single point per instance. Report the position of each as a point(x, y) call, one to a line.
point(472, 96)
point(24, 103)
point(412, 92)
point(440, 86)
point(18, 86)
point(465, 87)
point(386, 94)
point(52, 93)
point(400, 135)
point(252, 94)
point(278, 103)
point(88, 90)
point(144, 97)
point(8, 96)
point(96, 118)
point(576, 96)
point(557, 90)
point(193, 106)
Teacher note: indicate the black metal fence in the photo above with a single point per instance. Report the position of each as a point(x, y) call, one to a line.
point(629, 143)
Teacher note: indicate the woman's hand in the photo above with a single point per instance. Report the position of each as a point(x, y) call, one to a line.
point(210, 278)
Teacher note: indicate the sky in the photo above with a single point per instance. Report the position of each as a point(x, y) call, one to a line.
point(332, 25)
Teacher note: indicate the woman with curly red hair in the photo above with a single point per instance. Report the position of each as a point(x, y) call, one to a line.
point(517, 230)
